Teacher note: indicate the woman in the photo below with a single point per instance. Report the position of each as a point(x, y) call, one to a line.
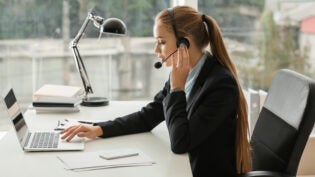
point(202, 102)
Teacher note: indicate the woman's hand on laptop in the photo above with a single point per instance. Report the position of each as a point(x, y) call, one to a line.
point(82, 131)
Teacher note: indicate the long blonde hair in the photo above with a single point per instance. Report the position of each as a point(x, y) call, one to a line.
point(204, 32)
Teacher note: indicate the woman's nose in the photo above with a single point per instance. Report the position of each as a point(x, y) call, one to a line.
point(156, 49)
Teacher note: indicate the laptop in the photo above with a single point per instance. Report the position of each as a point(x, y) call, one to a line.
point(36, 141)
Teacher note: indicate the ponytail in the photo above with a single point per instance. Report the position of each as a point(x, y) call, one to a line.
point(218, 49)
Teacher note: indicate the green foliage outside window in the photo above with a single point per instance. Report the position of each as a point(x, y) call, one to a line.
point(21, 19)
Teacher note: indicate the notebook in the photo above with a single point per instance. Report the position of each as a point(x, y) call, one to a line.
point(57, 102)
point(36, 141)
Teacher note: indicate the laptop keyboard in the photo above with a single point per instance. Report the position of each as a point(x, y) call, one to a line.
point(45, 140)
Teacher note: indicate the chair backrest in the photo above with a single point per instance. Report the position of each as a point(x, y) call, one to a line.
point(284, 123)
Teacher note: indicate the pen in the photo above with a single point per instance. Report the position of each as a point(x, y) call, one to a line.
point(85, 122)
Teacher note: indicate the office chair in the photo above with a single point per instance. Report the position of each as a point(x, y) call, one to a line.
point(283, 126)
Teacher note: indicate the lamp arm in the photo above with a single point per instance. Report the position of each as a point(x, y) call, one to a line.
point(82, 29)
point(77, 56)
point(82, 71)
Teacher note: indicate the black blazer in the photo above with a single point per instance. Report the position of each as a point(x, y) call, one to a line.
point(204, 126)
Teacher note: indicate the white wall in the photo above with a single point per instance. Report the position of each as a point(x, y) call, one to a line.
point(192, 3)
point(308, 40)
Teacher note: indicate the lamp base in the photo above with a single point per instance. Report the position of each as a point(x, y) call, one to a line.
point(95, 101)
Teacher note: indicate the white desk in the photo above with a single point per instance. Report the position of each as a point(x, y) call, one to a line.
point(16, 163)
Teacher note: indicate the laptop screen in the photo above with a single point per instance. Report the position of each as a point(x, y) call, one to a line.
point(15, 114)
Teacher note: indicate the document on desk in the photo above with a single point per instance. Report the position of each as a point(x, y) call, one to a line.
point(93, 160)
point(63, 124)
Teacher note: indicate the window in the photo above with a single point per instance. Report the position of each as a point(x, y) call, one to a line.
point(264, 36)
point(34, 47)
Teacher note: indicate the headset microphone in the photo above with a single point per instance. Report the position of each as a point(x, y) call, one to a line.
point(179, 40)
point(158, 65)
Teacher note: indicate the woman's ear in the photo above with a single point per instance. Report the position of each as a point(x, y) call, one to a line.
point(190, 40)
point(184, 41)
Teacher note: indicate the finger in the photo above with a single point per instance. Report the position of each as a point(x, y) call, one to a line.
point(75, 132)
point(179, 59)
point(66, 131)
point(69, 134)
point(185, 56)
point(174, 62)
point(82, 134)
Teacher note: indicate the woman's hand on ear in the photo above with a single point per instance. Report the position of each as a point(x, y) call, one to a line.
point(180, 68)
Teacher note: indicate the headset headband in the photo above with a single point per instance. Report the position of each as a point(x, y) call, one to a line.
point(171, 14)
point(179, 40)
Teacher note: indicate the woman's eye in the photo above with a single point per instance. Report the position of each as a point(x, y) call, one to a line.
point(161, 42)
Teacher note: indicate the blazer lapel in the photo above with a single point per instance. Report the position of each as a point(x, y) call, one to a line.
point(195, 92)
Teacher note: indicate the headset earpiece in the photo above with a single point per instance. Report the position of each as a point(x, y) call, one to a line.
point(179, 40)
point(184, 41)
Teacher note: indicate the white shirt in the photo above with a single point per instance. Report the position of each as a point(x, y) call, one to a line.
point(193, 74)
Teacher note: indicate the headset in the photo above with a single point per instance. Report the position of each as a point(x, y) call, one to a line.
point(179, 40)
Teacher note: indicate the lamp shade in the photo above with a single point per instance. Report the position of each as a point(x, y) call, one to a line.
point(114, 26)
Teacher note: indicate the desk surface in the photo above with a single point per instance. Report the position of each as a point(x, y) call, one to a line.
point(16, 163)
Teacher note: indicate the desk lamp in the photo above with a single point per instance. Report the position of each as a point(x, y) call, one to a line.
point(111, 26)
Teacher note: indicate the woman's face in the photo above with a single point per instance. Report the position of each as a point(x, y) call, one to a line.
point(165, 42)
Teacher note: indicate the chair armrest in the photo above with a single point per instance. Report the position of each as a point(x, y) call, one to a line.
point(264, 174)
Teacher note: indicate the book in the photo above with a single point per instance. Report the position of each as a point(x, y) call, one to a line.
point(56, 102)
point(50, 90)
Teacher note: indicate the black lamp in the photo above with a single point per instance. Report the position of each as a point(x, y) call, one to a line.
point(111, 26)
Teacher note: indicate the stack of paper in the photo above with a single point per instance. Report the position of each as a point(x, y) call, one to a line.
point(55, 109)
point(92, 160)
